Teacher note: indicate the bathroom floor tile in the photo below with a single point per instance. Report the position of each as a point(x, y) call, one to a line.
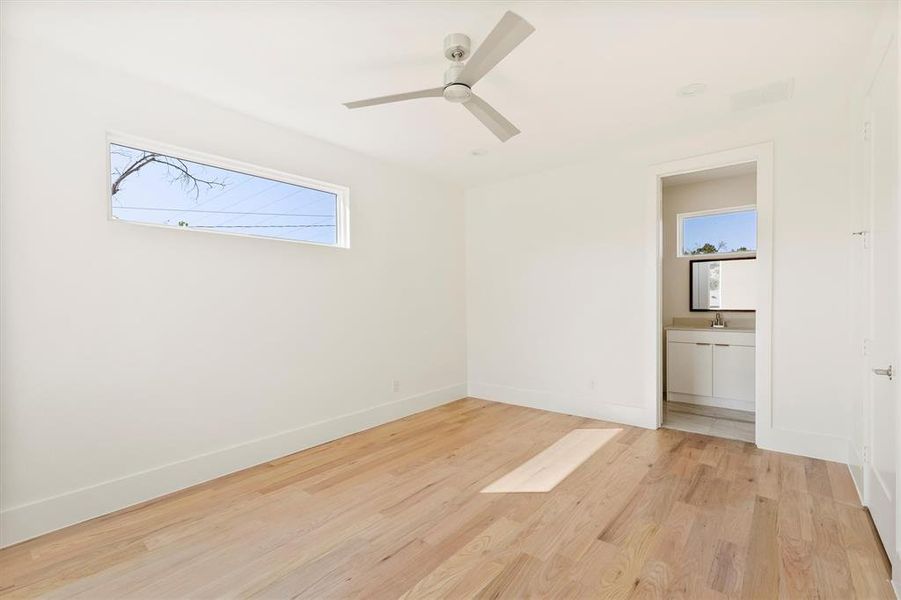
point(719, 427)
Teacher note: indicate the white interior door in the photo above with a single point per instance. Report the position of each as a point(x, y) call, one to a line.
point(882, 158)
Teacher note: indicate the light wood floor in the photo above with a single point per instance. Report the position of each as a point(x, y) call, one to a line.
point(397, 512)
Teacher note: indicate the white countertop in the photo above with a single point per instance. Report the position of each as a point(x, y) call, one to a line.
point(727, 328)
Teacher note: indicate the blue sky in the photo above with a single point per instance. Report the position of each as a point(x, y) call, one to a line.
point(736, 229)
point(241, 204)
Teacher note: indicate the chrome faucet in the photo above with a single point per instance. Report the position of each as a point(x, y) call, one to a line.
point(718, 322)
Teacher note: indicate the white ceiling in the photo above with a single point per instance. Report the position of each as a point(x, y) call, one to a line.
point(591, 75)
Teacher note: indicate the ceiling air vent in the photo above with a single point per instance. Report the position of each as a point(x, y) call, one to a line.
point(777, 91)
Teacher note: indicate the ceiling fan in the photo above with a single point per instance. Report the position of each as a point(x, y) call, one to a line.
point(459, 78)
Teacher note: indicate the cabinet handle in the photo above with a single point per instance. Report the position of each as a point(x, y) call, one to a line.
point(727, 345)
point(702, 343)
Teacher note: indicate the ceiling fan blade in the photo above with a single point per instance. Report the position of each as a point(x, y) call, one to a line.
point(430, 93)
point(490, 118)
point(510, 31)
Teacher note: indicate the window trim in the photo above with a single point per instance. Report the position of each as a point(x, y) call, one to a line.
point(342, 193)
point(680, 218)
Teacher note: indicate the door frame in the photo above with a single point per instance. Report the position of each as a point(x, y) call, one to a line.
point(762, 155)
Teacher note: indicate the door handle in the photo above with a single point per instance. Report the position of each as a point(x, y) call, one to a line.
point(886, 372)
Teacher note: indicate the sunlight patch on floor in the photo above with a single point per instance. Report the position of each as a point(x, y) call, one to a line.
point(544, 471)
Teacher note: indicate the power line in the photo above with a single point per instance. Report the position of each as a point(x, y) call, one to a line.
point(230, 219)
point(220, 212)
point(253, 195)
point(250, 226)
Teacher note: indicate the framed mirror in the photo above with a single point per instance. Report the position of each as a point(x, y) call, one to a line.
point(723, 284)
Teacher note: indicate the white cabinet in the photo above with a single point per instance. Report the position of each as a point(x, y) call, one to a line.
point(733, 372)
point(688, 368)
point(710, 367)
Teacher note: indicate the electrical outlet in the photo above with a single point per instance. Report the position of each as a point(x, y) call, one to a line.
point(592, 384)
point(396, 385)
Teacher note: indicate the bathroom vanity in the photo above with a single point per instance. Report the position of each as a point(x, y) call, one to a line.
point(710, 367)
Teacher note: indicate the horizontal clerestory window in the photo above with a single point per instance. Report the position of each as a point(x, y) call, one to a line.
point(155, 185)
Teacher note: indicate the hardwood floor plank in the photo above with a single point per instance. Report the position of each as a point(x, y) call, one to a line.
point(506, 583)
point(817, 478)
point(727, 570)
point(830, 561)
point(448, 574)
point(622, 577)
point(761, 577)
point(870, 574)
point(664, 562)
point(843, 489)
point(796, 575)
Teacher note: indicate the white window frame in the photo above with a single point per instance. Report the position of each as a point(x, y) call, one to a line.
point(680, 218)
point(342, 193)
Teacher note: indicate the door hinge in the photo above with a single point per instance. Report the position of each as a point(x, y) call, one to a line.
point(866, 346)
point(866, 454)
point(867, 131)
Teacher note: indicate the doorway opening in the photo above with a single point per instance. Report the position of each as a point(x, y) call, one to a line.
point(709, 243)
point(714, 293)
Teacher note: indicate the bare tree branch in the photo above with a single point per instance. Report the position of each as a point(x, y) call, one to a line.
point(183, 175)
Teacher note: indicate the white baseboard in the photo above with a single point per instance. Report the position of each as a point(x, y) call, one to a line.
point(803, 443)
point(26, 521)
point(855, 466)
point(561, 403)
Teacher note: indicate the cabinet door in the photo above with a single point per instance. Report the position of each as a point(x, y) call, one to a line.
point(689, 368)
point(733, 372)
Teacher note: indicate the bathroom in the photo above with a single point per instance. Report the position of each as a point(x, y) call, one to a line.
point(709, 298)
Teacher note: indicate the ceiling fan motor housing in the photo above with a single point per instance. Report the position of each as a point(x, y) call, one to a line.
point(456, 47)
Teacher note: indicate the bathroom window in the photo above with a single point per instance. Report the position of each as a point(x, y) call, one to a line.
point(152, 184)
point(722, 231)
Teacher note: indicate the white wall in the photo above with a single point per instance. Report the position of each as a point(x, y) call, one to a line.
point(724, 192)
point(138, 360)
point(561, 275)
